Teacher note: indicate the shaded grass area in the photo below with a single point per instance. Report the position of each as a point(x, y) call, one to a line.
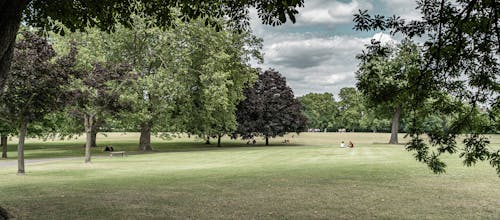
point(316, 181)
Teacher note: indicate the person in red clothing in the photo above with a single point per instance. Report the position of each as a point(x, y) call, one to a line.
point(351, 145)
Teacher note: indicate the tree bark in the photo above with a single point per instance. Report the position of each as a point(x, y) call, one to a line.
point(267, 140)
point(218, 140)
point(20, 148)
point(93, 142)
point(395, 125)
point(3, 142)
point(10, 19)
point(145, 139)
point(89, 121)
point(93, 137)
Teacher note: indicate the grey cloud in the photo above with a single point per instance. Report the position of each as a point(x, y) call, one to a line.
point(310, 60)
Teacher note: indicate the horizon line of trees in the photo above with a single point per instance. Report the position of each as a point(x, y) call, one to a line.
point(324, 111)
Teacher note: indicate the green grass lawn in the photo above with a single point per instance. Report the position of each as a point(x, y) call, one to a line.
point(37, 148)
point(312, 178)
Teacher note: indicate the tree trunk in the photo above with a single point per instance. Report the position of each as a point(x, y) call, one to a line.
point(20, 148)
point(93, 142)
point(145, 139)
point(267, 140)
point(3, 142)
point(89, 121)
point(93, 137)
point(395, 126)
point(218, 140)
point(208, 140)
point(10, 19)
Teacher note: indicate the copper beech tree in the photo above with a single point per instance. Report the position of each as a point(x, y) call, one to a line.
point(270, 109)
point(36, 85)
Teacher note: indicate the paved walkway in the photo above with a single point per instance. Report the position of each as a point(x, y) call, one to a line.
point(13, 162)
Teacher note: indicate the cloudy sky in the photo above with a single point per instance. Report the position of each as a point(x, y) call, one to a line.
point(317, 54)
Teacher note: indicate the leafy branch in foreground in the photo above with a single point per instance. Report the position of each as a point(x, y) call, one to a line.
point(460, 52)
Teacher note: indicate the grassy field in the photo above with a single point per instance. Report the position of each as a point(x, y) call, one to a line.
point(37, 148)
point(311, 178)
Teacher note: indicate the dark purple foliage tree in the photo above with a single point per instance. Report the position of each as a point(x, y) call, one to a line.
point(270, 109)
point(35, 87)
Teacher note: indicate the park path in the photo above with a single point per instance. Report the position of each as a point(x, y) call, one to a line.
point(32, 161)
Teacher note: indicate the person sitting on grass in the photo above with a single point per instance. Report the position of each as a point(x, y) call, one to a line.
point(342, 145)
point(351, 145)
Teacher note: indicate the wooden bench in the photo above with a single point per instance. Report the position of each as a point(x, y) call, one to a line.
point(123, 153)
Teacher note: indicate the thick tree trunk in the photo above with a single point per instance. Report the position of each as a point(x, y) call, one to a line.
point(267, 140)
point(218, 140)
point(145, 139)
point(395, 126)
point(3, 142)
point(10, 19)
point(20, 148)
point(89, 121)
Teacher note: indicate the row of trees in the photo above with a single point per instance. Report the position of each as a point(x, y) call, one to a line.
point(354, 111)
point(384, 80)
point(188, 79)
point(350, 112)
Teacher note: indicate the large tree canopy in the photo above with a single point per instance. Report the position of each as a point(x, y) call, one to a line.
point(383, 77)
point(461, 52)
point(105, 14)
point(96, 97)
point(217, 71)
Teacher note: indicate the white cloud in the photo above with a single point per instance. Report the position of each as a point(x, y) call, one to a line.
point(406, 9)
point(303, 53)
point(311, 54)
point(330, 12)
point(384, 38)
point(317, 64)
